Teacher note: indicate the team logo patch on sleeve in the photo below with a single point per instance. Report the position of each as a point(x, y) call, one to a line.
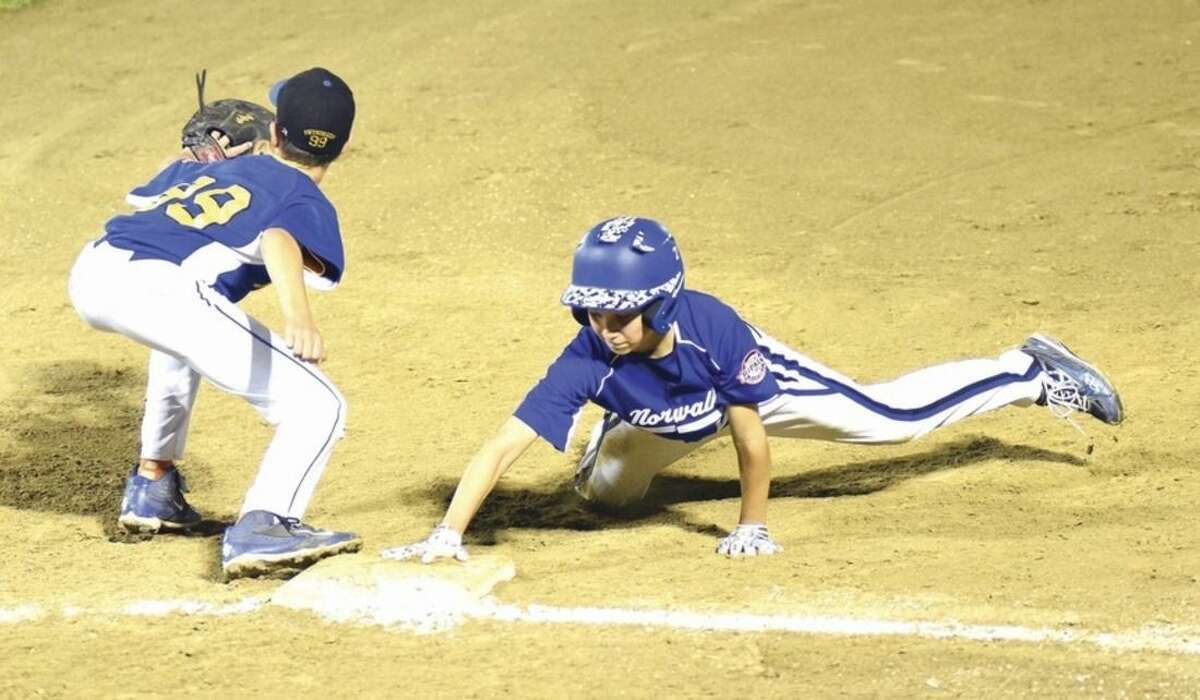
point(754, 368)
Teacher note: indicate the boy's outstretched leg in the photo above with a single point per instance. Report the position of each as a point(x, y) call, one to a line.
point(820, 403)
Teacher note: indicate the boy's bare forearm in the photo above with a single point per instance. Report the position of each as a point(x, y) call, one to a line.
point(756, 486)
point(754, 462)
point(285, 265)
point(484, 470)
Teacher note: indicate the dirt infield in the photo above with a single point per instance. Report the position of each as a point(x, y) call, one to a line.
point(882, 185)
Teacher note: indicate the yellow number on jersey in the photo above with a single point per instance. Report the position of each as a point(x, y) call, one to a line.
point(212, 210)
point(217, 205)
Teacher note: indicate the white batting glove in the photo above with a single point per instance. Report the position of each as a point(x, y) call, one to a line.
point(442, 543)
point(748, 540)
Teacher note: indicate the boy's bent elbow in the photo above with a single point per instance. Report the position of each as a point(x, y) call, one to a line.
point(508, 443)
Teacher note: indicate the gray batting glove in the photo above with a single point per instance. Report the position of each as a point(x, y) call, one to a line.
point(748, 540)
point(442, 543)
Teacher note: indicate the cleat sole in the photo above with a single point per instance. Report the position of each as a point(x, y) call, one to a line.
point(138, 524)
point(284, 564)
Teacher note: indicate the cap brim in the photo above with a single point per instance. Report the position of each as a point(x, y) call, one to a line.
point(273, 93)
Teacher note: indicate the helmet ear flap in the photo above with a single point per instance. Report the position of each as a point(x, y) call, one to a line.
point(661, 314)
point(650, 315)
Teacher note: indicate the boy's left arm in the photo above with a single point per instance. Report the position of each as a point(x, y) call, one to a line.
point(751, 537)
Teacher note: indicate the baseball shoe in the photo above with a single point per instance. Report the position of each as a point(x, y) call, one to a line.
point(1070, 384)
point(152, 505)
point(262, 543)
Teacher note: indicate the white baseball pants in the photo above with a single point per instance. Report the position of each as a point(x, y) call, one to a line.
point(192, 331)
point(818, 403)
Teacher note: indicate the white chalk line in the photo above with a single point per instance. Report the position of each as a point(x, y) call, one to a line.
point(426, 616)
point(1151, 638)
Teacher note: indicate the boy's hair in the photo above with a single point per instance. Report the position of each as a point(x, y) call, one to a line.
point(302, 157)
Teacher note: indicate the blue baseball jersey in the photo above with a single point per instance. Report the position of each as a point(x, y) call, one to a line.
point(208, 218)
point(716, 363)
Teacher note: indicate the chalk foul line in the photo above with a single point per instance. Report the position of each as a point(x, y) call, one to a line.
point(424, 616)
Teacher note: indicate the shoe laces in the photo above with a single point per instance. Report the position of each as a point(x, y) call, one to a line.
point(1063, 396)
point(293, 524)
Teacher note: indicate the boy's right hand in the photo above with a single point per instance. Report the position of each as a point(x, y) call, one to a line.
point(442, 543)
point(302, 336)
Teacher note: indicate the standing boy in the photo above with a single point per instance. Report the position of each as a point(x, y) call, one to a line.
point(169, 275)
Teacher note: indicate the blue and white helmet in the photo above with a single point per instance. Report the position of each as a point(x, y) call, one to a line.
point(626, 264)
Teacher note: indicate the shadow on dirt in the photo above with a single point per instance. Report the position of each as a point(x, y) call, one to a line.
point(70, 446)
point(860, 478)
point(562, 509)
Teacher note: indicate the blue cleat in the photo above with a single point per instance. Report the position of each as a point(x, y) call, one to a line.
point(1070, 384)
point(152, 505)
point(263, 543)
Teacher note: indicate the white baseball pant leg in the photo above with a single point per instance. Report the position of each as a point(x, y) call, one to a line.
point(158, 305)
point(171, 388)
point(818, 403)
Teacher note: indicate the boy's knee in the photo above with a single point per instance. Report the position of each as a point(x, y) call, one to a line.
point(604, 493)
point(321, 406)
point(334, 407)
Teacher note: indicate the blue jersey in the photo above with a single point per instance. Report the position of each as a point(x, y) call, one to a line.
point(208, 219)
point(716, 363)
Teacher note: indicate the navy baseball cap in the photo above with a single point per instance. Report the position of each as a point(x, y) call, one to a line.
point(314, 111)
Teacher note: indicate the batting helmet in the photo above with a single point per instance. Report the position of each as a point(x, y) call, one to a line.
point(623, 264)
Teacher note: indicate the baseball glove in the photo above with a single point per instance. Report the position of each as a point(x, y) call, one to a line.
point(216, 129)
